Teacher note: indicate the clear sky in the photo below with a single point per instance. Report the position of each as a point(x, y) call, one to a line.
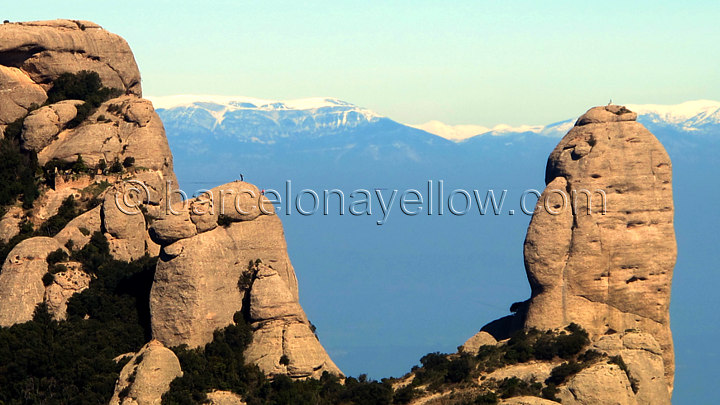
point(461, 62)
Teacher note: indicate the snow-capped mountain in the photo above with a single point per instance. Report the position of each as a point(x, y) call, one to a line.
point(312, 120)
point(259, 120)
point(692, 116)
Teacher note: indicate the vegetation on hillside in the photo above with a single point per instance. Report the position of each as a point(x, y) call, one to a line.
point(71, 362)
point(85, 86)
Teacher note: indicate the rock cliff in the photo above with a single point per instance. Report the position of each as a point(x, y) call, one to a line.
point(207, 272)
point(606, 265)
point(600, 251)
point(120, 178)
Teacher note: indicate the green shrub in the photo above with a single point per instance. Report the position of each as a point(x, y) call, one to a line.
point(515, 387)
point(489, 398)
point(561, 373)
point(116, 167)
point(71, 362)
point(67, 212)
point(17, 169)
point(459, 369)
point(48, 279)
point(85, 86)
point(56, 257)
point(550, 392)
point(405, 395)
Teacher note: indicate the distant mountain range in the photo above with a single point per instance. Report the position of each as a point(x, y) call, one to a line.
point(269, 122)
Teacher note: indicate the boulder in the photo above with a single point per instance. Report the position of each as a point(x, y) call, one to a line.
point(283, 342)
point(600, 383)
point(147, 376)
point(473, 344)
point(18, 92)
point(21, 284)
point(41, 125)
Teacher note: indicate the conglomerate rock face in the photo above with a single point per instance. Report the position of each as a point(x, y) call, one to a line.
point(606, 265)
point(21, 284)
point(208, 272)
point(43, 50)
point(204, 254)
point(147, 376)
point(32, 55)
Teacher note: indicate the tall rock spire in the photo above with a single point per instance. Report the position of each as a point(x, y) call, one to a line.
point(600, 248)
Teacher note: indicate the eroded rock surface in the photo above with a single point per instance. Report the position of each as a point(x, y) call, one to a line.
point(65, 284)
point(205, 271)
point(605, 266)
point(283, 341)
point(45, 49)
point(21, 284)
point(147, 376)
point(601, 383)
point(224, 398)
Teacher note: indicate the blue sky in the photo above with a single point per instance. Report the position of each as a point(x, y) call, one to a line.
point(480, 62)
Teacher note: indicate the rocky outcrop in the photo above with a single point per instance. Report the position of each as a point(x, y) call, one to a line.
point(43, 50)
point(600, 252)
point(283, 341)
point(41, 125)
point(21, 279)
point(478, 340)
point(18, 93)
point(606, 265)
point(204, 275)
point(65, 284)
point(601, 383)
point(31, 56)
point(147, 376)
point(196, 281)
point(643, 357)
point(122, 127)
point(205, 247)
point(224, 398)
